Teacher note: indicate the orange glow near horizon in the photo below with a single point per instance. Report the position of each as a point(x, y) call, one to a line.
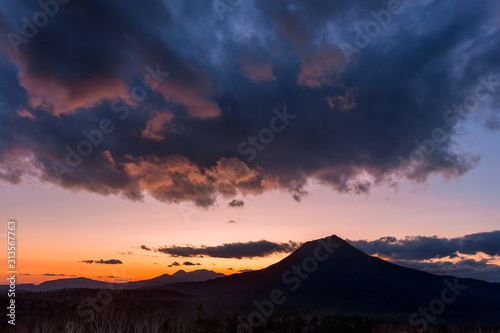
point(57, 229)
point(135, 267)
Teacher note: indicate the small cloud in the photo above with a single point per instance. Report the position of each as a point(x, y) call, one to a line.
point(169, 266)
point(198, 264)
point(106, 262)
point(126, 253)
point(230, 269)
point(109, 262)
point(123, 280)
point(144, 247)
point(232, 221)
point(343, 103)
point(108, 277)
point(237, 203)
point(175, 263)
point(188, 263)
point(51, 274)
point(25, 274)
point(257, 71)
point(245, 270)
point(25, 113)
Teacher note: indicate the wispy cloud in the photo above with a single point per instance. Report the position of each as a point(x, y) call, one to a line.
point(237, 203)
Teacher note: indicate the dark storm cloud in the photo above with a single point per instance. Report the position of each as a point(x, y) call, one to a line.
point(237, 203)
point(106, 262)
point(261, 248)
point(189, 138)
point(423, 247)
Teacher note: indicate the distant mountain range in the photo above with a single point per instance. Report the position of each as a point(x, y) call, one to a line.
point(348, 281)
point(81, 282)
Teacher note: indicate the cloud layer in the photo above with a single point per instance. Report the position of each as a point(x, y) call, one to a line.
point(422, 247)
point(162, 98)
point(262, 248)
point(466, 268)
point(445, 256)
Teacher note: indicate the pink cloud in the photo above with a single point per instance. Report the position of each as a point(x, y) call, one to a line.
point(26, 114)
point(321, 68)
point(343, 103)
point(257, 72)
point(157, 125)
point(196, 100)
point(60, 97)
point(176, 179)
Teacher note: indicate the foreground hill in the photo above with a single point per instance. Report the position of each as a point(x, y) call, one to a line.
point(154, 310)
point(331, 275)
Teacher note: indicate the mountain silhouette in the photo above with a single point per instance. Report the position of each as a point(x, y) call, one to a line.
point(331, 275)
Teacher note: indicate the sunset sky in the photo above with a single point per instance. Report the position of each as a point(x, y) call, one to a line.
point(165, 135)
